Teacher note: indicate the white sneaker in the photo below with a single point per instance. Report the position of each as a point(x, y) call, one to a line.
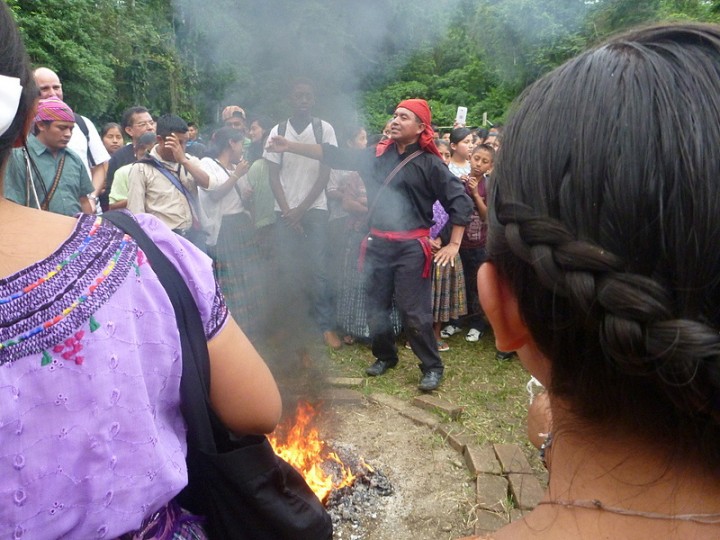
point(473, 335)
point(449, 330)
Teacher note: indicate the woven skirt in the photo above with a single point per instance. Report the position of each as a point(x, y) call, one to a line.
point(237, 269)
point(448, 291)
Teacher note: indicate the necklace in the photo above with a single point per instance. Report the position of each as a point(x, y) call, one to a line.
point(595, 504)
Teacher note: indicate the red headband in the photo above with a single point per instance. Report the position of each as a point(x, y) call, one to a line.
point(422, 110)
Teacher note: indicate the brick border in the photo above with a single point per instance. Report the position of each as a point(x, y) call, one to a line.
point(505, 484)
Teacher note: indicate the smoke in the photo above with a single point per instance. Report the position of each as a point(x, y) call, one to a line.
point(339, 44)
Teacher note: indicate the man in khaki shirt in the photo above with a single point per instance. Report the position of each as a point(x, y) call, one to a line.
point(165, 183)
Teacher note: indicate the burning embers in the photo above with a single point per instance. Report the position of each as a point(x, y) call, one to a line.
point(341, 480)
point(303, 449)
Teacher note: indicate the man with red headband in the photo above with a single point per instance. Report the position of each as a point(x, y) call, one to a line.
point(46, 173)
point(404, 176)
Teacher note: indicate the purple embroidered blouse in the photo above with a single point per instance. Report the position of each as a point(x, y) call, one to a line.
point(91, 436)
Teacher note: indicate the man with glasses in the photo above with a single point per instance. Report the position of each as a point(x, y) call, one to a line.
point(136, 121)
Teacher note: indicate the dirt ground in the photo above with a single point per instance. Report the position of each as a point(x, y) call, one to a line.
point(433, 491)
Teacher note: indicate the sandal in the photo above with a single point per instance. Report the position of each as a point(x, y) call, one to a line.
point(442, 346)
point(348, 340)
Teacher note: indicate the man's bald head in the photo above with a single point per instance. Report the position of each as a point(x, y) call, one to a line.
point(48, 83)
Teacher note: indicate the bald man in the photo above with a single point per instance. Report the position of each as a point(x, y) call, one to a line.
point(89, 145)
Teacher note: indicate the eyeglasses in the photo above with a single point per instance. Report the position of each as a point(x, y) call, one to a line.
point(146, 123)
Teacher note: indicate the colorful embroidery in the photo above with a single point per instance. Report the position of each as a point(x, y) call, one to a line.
point(65, 312)
point(37, 317)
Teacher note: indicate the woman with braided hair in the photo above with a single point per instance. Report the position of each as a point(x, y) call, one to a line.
point(604, 275)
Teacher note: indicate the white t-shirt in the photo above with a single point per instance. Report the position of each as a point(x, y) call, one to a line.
point(298, 174)
point(79, 144)
point(215, 208)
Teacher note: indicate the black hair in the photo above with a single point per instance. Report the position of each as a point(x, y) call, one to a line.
point(608, 233)
point(220, 140)
point(297, 81)
point(170, 123)
point(349, 133)
point(481, 133)
point(127, 115)
point(110, 125)
point(459, 134)
point(256, 148)
point(485, 148)
point(442, 142)
point(14, 62)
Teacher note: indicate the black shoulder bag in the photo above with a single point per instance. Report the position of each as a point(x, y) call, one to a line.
point(242, 488)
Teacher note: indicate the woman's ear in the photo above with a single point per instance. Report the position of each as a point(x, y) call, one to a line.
point(501, 308)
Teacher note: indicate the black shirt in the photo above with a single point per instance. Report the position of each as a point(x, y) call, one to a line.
point(406, 202)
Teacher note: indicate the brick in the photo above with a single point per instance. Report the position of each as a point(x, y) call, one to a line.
point(432, 403)
point(526, 490)
point(488, 522)
point(481, 460)
point(455, 436)
point(420, 418)
point(346, 382)
point(512, 459)
point(344, 395)
point(389, 401)
point(492, 492)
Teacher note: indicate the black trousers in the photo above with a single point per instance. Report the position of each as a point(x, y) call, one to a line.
point(393, 267)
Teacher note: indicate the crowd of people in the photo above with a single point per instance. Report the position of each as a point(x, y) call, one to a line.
point(588, 242)
point(285, 232)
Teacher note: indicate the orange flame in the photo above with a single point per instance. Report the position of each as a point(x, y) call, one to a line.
point(305, 451)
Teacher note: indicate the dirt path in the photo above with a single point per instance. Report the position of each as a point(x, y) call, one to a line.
point(433, 491)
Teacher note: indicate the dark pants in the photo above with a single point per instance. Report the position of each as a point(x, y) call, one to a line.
point(301, 258)
point(396, 267)
point(472, 258)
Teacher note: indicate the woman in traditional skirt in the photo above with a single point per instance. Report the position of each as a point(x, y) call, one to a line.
point(448, 282)
point(231, 238)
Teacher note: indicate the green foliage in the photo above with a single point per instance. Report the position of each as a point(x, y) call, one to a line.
point(192, 57)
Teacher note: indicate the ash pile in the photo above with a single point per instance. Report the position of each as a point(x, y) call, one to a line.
point(355, 503)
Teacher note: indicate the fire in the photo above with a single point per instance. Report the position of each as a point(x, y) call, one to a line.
point(304, 449)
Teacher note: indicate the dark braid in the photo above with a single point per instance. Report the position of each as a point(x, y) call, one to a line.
point(633, 313)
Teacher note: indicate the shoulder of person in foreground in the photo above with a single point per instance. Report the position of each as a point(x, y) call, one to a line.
point(243, 391)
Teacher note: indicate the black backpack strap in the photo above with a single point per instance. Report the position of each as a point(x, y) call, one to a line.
point(317, 130)
point(80, 122)
point(316, 126)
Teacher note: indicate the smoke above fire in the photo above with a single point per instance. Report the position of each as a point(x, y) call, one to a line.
point(335, 43)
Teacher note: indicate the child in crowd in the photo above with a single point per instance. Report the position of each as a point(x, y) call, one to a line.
point(448, 282)
point(444, 149)
point(472, 248)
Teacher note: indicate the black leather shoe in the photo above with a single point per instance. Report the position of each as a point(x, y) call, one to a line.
point(430, 381)
point(379, 367)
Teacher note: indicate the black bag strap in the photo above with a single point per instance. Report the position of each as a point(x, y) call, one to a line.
point(80, 122)
point(203, 424)
point(386, 183)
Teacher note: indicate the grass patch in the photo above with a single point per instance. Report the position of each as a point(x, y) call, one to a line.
point(492, 393)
